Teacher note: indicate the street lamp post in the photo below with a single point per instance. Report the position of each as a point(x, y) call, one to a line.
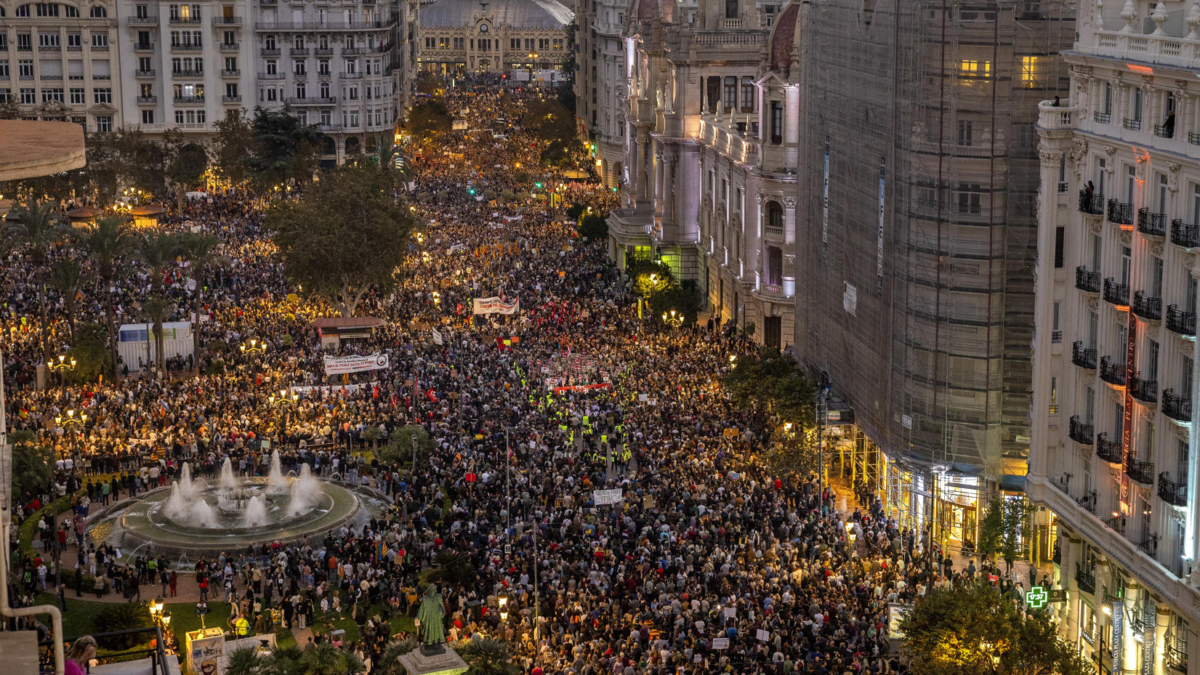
point(253, 346)
point(673, 319)
point(63, 364)
point(284, 400)
point(532, 56)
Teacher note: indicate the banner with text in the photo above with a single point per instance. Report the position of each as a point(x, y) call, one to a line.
point(336, 365)
point(496, 306)
point(602, 497)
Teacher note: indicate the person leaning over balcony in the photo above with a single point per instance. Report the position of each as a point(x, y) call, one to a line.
point(1057, 103)
point(1169, 124)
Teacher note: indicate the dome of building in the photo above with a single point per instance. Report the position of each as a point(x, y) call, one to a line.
point(549, 14)
point(783, 39)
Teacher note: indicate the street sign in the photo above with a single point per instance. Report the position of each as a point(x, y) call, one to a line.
point(1035, 598)
point(1058, 595)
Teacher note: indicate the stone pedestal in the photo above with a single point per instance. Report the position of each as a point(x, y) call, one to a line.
point(435, 660)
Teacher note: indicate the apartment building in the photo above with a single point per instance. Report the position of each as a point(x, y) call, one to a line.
point(1115, 352)
point(184, 64)
point(59, 61)
point(330, 64)
point(601, 83)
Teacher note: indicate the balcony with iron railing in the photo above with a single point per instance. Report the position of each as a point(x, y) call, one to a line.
point(181, 73)
point(1115, 293)
point(184, 20)
point(1171, 492)
point(1108, 449)
point(1147, 308)
point(1184, 234)
point(1120, 212)
point(143, 46)
point(1091, 204)
point(1183, 323)
point(1137, 470)
point(1164, 131)
point(1143, 390)
point(1084, 357)
point(190, 99)
point(227, 21)
point(1080, 432)
point(187, 46)
point(231, 99)
point(1085, 579)
point(1112, 371)
point(1177, 656)
point(1151, 224)
point(1132, 124)
point(270, 51)
point(142, 20)
point(1178, 408)
point(1088, 501)
point(1102, 117)
point(1149, 546)
point(143, 73)
point(1116, 523)
point(231, 73)
point(1086, 280)
point(230, 46)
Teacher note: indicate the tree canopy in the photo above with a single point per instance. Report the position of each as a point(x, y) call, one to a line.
point(429, 120)
point(346, 235)
point(284, 149)
point(975, 629)
point(774, 381)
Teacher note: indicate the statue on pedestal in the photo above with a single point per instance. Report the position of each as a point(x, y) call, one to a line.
point(433, 634)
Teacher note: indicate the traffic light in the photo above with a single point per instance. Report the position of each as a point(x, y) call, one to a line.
point(471, 191)
point(537, 186)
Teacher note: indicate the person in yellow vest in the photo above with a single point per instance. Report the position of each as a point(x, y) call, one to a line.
point(242, 626)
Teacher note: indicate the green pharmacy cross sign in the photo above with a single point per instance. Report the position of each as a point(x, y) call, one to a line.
point(1036, 597)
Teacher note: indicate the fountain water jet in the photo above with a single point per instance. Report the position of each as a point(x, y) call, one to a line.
point(256, 513)
point(227, 482)
point(306, 490)
point(187, 489)
point(175, 507)
point(275, 481)
point(203, 514)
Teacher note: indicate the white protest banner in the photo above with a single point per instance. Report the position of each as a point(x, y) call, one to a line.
point(601, 497)
point(496, 306)
point(763, 635)
point(730, 612)
point(336, 365)
point(437, 337)
point(720, 643)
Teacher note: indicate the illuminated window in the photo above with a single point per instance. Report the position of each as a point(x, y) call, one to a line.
point(1031, 71)
point(971, 68)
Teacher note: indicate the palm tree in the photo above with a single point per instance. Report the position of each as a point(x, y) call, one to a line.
point(156, 250)
point(105, 241)
point(67, 277)
point(325, 659)
point(199, 249)
point(156, 309)
point(33, 225)
point(244, 661)
point(389, 661)
point(487, 656)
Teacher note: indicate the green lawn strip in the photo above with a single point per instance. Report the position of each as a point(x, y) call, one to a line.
point(79, 620)
point(28, 530)
point(184, 619)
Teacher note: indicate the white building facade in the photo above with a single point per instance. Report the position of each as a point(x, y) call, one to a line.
point(1113, 451)
point(330, 64)
point(184, 64)
point(601, 92)
point(709, 157)
point(59, 61)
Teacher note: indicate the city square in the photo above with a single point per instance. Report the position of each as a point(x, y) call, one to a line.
point(640, 337)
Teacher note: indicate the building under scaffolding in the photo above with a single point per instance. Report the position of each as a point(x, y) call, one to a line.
point(915, 267)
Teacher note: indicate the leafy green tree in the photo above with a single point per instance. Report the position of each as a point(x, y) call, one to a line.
point(234, 136)
point(184, 161)
point(67, 277)
point(34, 226)
point(399, 450)
point(106, 241)
point(389, 661)
point(991, 528)
point(429, 84)
point(10, 109)
point(550, 121)
point(244, 661)
point(91, 354)
point(141, 162)
point(487, 656)
point(345, 236)
point(684, 299)
point(649, 277)
point(974, 629)
point(32, 464)
point(773, 381)
point(200, 251)
point(283, 148)
point(429, 120)
point(454, 569)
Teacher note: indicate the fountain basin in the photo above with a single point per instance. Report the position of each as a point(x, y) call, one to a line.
point(145, 527)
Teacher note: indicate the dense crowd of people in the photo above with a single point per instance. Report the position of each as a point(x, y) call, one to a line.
point(707, 562)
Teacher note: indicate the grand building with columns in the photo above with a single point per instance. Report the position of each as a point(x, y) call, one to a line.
point(709, 159)
point(512, 37)
point(1115, 348)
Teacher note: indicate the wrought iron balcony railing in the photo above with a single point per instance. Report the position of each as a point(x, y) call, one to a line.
point(1171, 492)
point(1117, 294)
point(1176, 407)
point(1084, 357)
point(1143, 390)
point(1086, 579)
point(1146, 307)
point(1107, 449)
point(1080, 432)
point(1151, 224)
point(1120, 212)
point(1180, 322)
point(1112, 372)
point(1142, 472)
point(1091, 203)
point(1185, 234)
point(1087, 280)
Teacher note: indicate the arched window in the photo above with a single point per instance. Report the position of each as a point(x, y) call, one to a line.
point(99, 12)
point(71, 11)
point(1, 12)
point(22, 11)
point(774, 217)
